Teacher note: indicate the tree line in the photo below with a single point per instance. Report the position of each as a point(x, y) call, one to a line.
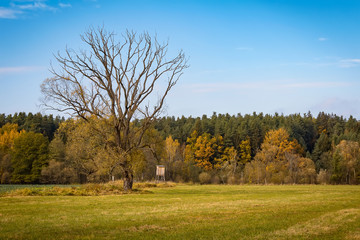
point(234, 149)
point(24, 145)
point(38, 123)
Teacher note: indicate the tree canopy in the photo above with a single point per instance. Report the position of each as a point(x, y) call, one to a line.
point(283, 149)
point(117, 81)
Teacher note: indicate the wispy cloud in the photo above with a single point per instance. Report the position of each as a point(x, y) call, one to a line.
point(322, 39)
point(335, 62)
point(348, 63)
point(221, 87)
point(20, 69)
point(95, 2)
point(314, 85)
point(8, 13)
point(17, 8)
point(34, 5)
point(64, 5)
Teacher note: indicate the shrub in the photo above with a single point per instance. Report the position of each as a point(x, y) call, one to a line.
point(5, 178)
point(204, 178)
point(179, 179)
point(215, 180)
point(91, 189)
point(323, 177)
point(144, 185)
point(152, 185)
point(232, 180)
point(57, 172)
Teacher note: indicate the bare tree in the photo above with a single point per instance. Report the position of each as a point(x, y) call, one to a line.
point(115, 81)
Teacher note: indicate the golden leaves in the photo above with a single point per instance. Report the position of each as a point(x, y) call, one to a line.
point(8, 134)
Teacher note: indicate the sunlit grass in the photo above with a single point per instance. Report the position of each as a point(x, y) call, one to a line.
point(189, 212)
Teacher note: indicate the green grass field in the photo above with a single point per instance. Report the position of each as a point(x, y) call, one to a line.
point(189, 212)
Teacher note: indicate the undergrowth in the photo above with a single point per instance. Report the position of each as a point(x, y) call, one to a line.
point(90, 189)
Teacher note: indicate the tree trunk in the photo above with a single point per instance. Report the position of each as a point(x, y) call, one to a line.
point(128, 180)
point(355, 180)
point(82, 178)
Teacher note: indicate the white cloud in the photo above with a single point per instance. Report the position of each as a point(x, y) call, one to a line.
point(314, 85)
point(222, 87)
point(35, 5)
point(8, 13)
point(19, 69)
point(20, 7)
point(336, 62)
point(322, 39)
point(64, 5)
point(348, 63)
point(244, 49)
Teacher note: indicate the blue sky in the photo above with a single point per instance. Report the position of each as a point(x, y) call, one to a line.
point(245, 56)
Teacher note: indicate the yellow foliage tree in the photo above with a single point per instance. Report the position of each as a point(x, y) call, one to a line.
point(307, 171)
point(350, 160)
point(190, 147)
point(245, 151)
point(8, 133)
point(280, 138)
point(171, 147)
point(276, 144)
point(205, 151)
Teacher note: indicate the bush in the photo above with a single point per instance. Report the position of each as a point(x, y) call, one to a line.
point(215, 180)
point(323, 177)
point(153, 185)
point(232, 180)
point(179, 179)
point(5, 178)
point(91, 189)
point(204, 178)
point(144, 185)
point(57, 172)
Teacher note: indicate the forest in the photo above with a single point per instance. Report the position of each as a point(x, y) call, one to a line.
point(220, 149)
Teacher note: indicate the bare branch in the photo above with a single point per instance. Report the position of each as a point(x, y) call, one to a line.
point(112, 80)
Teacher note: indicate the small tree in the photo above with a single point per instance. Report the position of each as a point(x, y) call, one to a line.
point(349, 153)
point(172, 148)
point(115, 82)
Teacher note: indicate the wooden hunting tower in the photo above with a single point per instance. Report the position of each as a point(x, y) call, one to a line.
point(160, 173)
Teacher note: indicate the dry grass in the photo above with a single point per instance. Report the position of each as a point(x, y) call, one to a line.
point(91, 189)
point(354, 235)
point(145, 228)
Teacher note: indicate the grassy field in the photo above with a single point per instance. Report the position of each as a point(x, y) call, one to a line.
point(189, 212)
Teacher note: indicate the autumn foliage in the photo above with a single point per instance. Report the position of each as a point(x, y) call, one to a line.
point(216, 150)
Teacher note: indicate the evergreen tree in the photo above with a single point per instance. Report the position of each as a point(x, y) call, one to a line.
point(322, 146)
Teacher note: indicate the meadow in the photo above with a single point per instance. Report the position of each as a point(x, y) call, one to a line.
point(189, 212)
